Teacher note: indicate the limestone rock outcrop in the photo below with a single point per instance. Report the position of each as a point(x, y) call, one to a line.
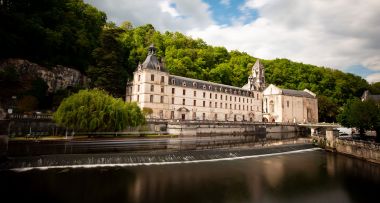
point(57, 77)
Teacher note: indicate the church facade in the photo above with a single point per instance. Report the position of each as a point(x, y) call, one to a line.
point(289, 106)
point(171, 97)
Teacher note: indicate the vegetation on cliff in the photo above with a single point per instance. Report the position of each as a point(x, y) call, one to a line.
point(75, 34)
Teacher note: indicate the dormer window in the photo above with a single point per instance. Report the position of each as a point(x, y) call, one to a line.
point(173, 81)
point(204, 87)
point(209, 87)
point(184, 83)
point(194, 84)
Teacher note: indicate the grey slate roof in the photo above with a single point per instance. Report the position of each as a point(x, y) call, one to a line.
point(151, 61)
point(296, 93)
point(210, 86)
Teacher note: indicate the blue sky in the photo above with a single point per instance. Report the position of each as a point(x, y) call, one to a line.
point(340, 34)
point(227, 12)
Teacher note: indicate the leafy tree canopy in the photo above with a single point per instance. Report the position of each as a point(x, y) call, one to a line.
point(95, 110)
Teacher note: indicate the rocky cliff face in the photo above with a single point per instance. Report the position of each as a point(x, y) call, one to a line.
point(58, 77)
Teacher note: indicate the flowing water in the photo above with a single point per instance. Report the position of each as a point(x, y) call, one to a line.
point(309, 176)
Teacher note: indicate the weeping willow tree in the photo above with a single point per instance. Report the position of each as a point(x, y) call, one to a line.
point(95, 110)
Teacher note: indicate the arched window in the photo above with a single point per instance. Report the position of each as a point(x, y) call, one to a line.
point(271, 106)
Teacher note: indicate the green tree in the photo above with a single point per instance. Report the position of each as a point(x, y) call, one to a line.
point(362, 115)
point(109, 73)
point(95, 110)
point(327, 109)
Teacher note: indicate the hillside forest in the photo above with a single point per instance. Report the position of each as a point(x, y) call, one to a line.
point(77, 35)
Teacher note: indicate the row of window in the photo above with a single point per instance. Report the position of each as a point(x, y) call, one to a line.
point(152, 78)
point(244, 93)
point(210, 104)
point(194, 116)
point(239, 99)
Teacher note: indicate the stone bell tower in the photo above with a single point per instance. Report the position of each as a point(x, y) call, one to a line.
point(256, 80)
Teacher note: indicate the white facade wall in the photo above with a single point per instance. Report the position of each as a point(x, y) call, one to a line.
point(279, 107)
point(209, 104)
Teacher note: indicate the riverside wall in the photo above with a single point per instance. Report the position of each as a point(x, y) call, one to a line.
point(369, 151)
point(194, 128)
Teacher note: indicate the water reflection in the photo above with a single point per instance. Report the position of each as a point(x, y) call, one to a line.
point(305, 177)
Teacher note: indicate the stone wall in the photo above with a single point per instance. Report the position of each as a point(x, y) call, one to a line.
point(365, 150)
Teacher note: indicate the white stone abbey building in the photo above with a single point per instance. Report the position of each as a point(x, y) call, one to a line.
point(174, 97)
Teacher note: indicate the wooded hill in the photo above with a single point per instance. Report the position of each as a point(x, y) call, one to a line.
point(75, 34)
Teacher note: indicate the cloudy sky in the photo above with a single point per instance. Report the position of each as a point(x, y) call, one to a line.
point(341, 34)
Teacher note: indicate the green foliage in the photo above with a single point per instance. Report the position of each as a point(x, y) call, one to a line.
point(147, 111)
point(108, 72)
point(50, 31)
point(95, 110)
point(363, 115)
point(327, 109)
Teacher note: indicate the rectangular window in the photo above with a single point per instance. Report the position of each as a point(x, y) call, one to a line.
point(172, 115)
point(183, 101)
point(230, 98)
point(151, 98)
point(195, 102)
point(152, 77)
point(225, 105)
point(139, 77)
point(235, 99)
point(230, 106)
point(184, 92)
point(162, 89)
point(216, 96)
point(204, 94)
point(138, 97)
point(239, 99)
point(162, 79)
point(216, 104)
point(251, 108)
point(152, 88)
point(172, 100)
point(239, 106)
point(221, 97)
point(210, 96)
point(226, 97)
point(210, 104)
point(173, 90)
point(221, 105)
point(235, 107)
point(243, 100)
point(138, 88)
point(162, 99)
point(287, 103)
point(195, 93)
point(204, 104)
point(225, 117)
point(243, 107)
point(204, 116)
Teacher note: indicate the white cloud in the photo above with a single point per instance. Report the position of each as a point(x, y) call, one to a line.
point(173, 15)
point(225, 2)
point(373, 78)
point(166, 7)
point(336, 33)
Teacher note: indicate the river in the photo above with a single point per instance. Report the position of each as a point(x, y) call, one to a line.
point(310, 176)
